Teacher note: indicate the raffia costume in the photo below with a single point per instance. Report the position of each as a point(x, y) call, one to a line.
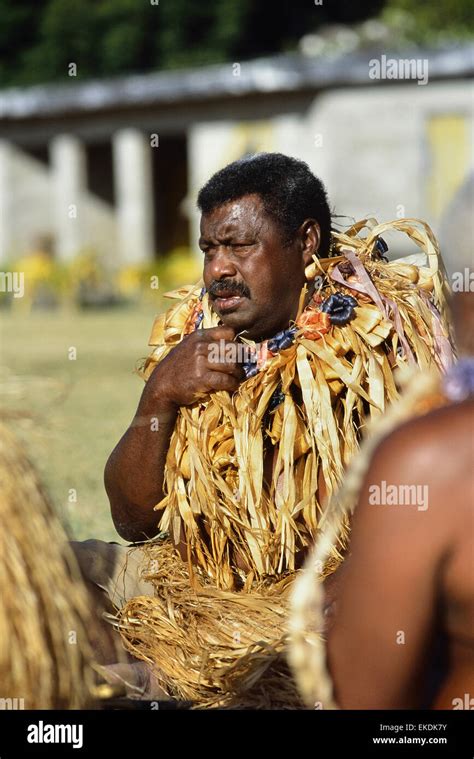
point(216, 634)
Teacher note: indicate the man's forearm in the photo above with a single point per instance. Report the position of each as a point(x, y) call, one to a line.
point(135, 470)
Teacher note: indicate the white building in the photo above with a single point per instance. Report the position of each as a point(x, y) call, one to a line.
point(117, 164)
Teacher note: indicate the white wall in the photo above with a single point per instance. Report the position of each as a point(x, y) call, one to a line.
point(27, 208)
point(369, 145)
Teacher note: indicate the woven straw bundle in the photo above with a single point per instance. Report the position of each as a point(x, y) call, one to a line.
point(45, 624)
point(211, 647)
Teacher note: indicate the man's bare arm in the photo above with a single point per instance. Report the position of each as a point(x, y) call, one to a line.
point(134, 473)
point(386, 610)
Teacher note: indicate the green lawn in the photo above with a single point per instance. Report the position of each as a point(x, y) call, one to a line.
point(76, 410)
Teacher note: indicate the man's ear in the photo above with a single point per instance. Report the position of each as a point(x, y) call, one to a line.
point(310, 240)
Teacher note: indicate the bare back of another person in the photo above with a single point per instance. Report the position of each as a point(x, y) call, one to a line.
point(458, 576)
point(404, 633)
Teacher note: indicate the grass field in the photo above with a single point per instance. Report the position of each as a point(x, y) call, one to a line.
point(71, 413)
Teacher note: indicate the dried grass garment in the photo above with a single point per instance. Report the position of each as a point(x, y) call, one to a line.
point(46, 649)
point(216, 634)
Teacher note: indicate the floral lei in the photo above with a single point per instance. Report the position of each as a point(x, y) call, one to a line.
point(316, 320)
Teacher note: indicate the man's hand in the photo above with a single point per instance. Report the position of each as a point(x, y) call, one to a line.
point(192, 370)
point(135, 470)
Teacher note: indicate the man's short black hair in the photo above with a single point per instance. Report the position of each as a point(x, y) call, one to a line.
point(289, 191)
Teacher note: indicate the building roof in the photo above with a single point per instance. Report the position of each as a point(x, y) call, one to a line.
point(277, 74)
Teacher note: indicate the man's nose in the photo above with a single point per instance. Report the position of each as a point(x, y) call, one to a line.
point(221, 266)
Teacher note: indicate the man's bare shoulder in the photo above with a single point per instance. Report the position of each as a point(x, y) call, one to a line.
point(437, 446)
point(422, 474)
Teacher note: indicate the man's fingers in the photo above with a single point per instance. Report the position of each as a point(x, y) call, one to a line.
point(217, 333)
point(221, 381)
point(212, 359)
point(227, 367)
point(222, 354)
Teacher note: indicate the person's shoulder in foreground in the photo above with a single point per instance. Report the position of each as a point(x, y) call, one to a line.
point(414, 581)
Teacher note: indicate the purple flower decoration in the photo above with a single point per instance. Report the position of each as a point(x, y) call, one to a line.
point(340, 308)
point(458, 382)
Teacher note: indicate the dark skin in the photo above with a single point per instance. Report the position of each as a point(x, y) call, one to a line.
point(410, 571)
point(417, 575)
point(254, 280)
point(242, 244)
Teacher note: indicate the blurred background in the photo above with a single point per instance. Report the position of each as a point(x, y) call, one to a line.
point(113, 113)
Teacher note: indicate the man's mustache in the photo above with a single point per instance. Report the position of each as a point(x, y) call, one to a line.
point(229, 287)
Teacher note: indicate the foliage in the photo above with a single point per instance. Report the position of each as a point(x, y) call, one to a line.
point(40, 38)
point(430, 23)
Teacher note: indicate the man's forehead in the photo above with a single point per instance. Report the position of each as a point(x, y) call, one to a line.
point(242, 213)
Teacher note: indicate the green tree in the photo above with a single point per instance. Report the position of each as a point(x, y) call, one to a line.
point(18, 32)
point(427, 23)
point(40, 38)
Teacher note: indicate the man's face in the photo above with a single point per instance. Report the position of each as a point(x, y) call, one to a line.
point(254, 282)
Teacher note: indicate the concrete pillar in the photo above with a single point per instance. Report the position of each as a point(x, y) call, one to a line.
point(6, 188)
point(68, 163)
point(209, 149)
point(134, 194)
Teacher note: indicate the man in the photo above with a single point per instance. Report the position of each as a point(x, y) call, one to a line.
point(402, 634)
point(255, 255)
point(257, 390)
